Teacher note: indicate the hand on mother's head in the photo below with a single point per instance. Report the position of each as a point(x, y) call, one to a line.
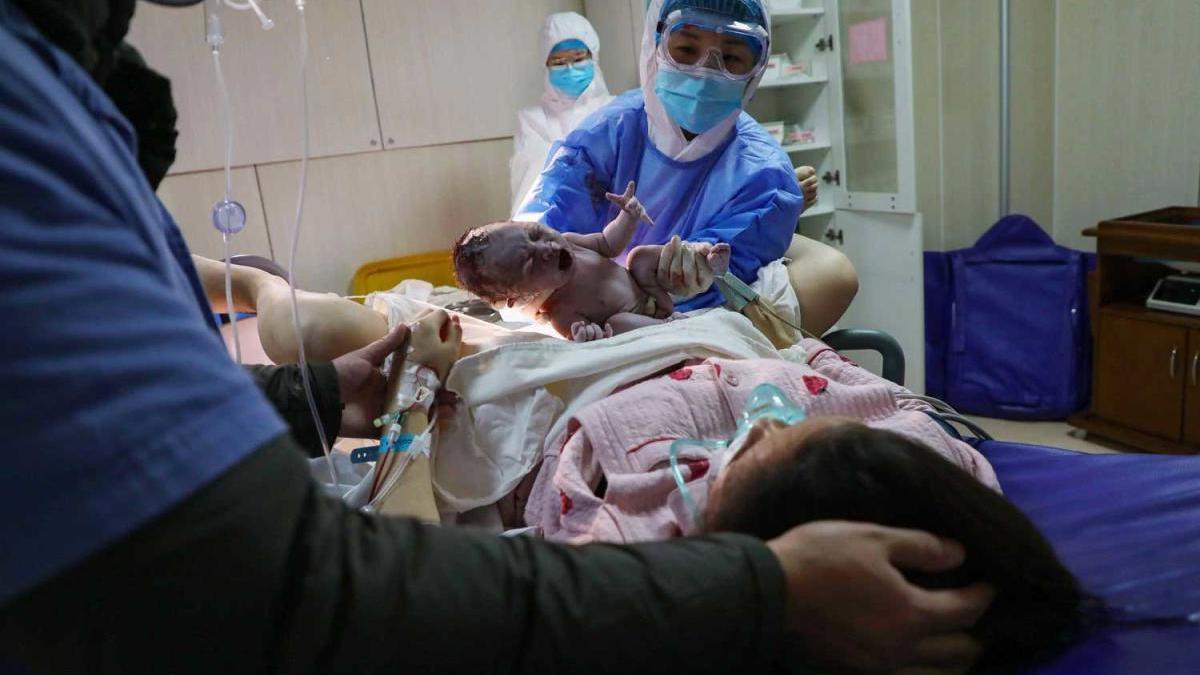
point(849, 606)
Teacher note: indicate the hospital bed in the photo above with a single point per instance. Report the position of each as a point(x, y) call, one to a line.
point(1127, 525)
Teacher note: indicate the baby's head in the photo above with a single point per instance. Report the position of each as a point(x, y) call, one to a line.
point(512, 261)
point(840, 469)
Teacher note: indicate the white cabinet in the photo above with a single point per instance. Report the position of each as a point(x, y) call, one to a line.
point(261, 69)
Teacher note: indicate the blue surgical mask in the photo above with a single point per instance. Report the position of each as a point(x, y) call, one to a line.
point(573, 80)
point(697, 102)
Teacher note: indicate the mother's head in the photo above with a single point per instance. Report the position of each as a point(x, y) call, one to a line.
point(840, 469)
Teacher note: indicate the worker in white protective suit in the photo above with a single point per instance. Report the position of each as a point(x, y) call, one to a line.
point(574, 87)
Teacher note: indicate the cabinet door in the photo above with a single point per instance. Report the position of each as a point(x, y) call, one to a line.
point(873, 77)
point(1140, 375)
point(1191, 410)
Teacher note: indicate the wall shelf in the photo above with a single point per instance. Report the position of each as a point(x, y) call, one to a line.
point(807, 147)
point(794, 81)
point(819, 210)
point(787, 16)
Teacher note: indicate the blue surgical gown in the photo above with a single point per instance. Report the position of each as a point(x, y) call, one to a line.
point(743, 193)
point(119, 398)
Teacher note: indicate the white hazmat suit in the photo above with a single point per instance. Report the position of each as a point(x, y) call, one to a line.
point(539, 126)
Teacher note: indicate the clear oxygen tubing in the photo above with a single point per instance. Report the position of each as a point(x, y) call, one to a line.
point(304, 376)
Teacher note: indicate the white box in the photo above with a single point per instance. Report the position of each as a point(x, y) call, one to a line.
point(775, 66)
point(775, 130)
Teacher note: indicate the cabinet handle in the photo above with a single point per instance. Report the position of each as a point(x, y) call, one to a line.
point(1174, 359)
point(1195, 368)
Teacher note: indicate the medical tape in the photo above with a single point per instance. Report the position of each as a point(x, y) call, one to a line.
point(420, 446)
point(416, 387)
point(372, 453)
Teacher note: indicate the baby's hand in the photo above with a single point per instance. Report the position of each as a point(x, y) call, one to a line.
point(718, 258)
point(586, 331)
point(629, 204)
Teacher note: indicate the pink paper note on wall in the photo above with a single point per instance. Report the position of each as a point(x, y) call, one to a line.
point(868, 41)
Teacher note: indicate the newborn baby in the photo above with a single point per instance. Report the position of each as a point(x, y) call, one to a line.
point(571, 279)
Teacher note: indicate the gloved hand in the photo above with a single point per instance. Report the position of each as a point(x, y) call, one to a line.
point(807, 177)
point(683, 267)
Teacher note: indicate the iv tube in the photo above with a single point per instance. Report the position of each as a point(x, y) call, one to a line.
point(228, 115)
point(308, 390)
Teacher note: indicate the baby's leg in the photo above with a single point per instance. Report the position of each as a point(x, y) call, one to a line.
point(627, 321)
point(642, 264)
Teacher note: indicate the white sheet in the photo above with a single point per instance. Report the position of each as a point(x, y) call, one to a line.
point(519, 387)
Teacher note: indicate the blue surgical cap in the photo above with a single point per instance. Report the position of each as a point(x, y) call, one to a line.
point(746, 11)
point(568, 44)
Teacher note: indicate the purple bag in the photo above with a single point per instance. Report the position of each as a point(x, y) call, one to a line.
point(1007, 332)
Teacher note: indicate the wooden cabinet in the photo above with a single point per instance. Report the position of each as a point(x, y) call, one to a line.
point(1146, 367)
point(1139, 374)
point(1191, 407)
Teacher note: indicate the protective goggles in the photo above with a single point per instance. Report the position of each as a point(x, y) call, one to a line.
point(766, 402)
point(580, 63)
point(694, 41)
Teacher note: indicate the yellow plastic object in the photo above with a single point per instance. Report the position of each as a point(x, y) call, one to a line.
point(381, 275)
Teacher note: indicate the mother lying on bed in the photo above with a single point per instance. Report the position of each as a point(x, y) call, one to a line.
point(768, 444)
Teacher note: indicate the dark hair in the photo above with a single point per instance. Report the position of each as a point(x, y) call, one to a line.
point(853, 472)
point(468, 255)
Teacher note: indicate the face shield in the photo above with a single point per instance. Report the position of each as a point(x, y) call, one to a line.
point(766, 402)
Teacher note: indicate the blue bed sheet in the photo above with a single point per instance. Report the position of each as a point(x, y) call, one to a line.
point(1129, 527)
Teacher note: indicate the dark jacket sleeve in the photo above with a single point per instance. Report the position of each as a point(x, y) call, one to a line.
point(284, 388)
point(261, 572)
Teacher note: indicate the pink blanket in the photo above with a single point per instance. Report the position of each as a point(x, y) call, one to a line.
point(626, 439)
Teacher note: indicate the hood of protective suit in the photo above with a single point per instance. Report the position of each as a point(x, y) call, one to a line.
point(92, 32)
point(665, 133)
point(570, 26)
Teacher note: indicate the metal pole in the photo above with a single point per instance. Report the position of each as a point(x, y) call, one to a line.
point(1005, 128)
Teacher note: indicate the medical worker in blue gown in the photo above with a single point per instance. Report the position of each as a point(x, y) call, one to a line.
point(705, 170)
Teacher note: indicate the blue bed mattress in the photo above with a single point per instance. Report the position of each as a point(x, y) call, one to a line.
point(1129, 527)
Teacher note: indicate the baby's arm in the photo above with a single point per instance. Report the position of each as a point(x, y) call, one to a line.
point(617, 234)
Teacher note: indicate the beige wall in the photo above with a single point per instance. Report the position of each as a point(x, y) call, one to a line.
point(1105, 112)
point(1128, 125)
point(413, 106)
point(956, 64)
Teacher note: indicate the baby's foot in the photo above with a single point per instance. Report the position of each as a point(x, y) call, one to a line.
point(718, 259)
point(585, 331)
